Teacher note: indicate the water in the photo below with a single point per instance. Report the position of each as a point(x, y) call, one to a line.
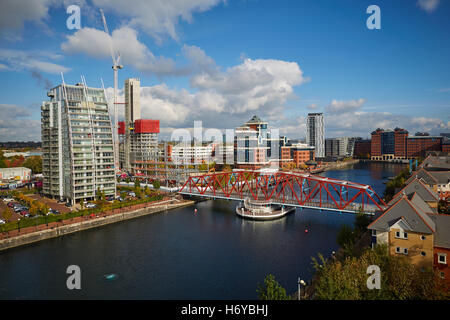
point(212, 254)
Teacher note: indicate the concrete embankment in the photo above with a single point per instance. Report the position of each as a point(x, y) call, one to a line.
point(86, 224)
point(341, 164)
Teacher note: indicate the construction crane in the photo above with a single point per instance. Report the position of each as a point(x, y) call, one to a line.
point(116, 66)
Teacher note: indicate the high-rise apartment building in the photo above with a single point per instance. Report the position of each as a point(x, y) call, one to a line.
point(315, 133)
point(132, 113)
point(77, 143)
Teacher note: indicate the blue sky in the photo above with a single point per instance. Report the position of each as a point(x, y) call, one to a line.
point(223, 61)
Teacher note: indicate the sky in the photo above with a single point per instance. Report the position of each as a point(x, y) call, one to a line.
point(223, 61)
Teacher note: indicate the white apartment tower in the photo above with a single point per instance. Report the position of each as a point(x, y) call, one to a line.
point(315, 133)
point(77, 143)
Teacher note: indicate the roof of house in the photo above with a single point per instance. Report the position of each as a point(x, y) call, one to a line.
point(436, 163)
point(417, 185)
point(409, 212)
point(424, 175)
point(442, 234)
point(422, 205)
point(442, 177)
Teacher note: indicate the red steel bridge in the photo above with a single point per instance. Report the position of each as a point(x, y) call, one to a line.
point(286, 188)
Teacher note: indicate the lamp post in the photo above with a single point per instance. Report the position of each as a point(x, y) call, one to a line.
point(300, 283)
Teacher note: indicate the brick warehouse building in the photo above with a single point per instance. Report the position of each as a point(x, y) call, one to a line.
point(396, 144)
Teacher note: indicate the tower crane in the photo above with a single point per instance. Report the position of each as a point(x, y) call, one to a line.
point(116, 66)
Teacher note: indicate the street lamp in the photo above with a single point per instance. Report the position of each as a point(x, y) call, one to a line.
point(300, 283)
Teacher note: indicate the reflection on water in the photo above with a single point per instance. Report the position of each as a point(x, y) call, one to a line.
point(211, 254)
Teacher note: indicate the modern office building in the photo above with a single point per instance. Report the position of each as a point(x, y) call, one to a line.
point(77, 143)
point(339, 147)
point(315, 133)
point(396, 144)
point(255, 145)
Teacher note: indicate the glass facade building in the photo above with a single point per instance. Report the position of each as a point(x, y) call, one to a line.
point(77, 143)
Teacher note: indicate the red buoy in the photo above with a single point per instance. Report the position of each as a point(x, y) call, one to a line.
point(306, 230)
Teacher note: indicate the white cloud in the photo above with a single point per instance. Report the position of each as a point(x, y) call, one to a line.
point(96, 43)
point(156, 17)
point(428, 5)
point(21, 60)
point(344, 106)
point(15, 124)
point(14, 14)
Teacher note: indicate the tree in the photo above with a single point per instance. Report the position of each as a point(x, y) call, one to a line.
point(156, 184)
point(345, 236)
point(34, 163)
point(137, 183)
point(271, 290)
point(361, 222)
point(6, 214)
point(400, 280)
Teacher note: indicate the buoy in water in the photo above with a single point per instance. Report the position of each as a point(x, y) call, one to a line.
point(195, 210)
point(306, 231)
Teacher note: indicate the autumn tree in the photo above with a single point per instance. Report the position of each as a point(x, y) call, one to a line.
point(271, 290)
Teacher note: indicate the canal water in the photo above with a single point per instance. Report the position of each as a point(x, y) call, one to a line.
point(179, 254)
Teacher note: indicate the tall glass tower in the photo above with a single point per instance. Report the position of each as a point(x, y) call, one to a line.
point(77, 143)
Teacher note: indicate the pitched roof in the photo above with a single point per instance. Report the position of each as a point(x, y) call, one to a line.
point(425, 192)
point(436, 163)
point(442, 177)
point(411, 214)
point(424, 175)
point(442, 234)
point(422, 205)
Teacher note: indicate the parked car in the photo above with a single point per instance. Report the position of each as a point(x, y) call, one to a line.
point(132, 194)
point(67, 204)
point(8, 199)
point(11, 204)
point(2, 221)
point(91, 205)
point(110, 198)
point(119, 198)
point(54, 211)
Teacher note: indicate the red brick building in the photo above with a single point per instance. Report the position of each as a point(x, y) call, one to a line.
point(375, 145)
point(400, 138)
point(417, 146)
point(362, 148)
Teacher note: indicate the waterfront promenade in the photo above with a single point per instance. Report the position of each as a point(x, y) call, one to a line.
point(32, 234)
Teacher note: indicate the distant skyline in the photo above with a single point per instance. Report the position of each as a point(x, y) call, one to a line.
point(224, 61)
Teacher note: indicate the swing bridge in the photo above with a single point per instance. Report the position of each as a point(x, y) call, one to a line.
point(285, 188)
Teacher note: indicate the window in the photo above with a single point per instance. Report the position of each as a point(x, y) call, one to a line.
point(442, 258)
point(398, 235)
point(442, 275)
point(405, 251)
point(397, 250)
point(423, 237)
point(423, 253)
point(374, 232)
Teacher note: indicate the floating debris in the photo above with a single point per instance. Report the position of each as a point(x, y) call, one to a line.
point(111, 276)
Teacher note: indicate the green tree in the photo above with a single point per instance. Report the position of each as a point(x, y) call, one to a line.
point(400, 280)
point(345, 236)
point(137, 183)
point(6, 214)
point(34, 163)
point(156, 184)
point(271, 290)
